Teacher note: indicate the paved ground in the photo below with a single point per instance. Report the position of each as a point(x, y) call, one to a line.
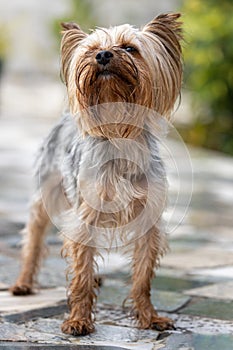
point(193, 286)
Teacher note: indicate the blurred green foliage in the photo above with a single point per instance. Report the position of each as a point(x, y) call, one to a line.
point(81, 12)
point(4, 41)
point(4, 46)
point(208, 57)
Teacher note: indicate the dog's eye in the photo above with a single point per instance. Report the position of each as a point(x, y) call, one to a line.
point(130, 49)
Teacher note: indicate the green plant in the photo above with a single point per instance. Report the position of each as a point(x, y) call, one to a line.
point(208, 57)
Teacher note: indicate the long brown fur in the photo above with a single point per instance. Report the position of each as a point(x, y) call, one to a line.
point(32, 249)
point(111, 102)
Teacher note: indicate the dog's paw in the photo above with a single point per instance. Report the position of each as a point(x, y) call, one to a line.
point(161, 323)
point(77, 327)
point(21, 289)
point(153, 321)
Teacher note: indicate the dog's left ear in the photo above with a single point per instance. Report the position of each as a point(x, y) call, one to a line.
point(72, 35)
point(166, 27)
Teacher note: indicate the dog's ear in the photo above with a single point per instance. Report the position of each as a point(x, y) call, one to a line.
point(162, 41)
point(167, 28)
point(72, 35)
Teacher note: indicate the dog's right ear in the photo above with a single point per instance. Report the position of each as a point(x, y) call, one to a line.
point(72, 35)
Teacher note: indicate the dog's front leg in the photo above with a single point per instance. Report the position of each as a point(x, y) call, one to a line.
point(82, 289)
point(147, 251)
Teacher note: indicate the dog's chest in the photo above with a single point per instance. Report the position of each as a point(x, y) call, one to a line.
point(99, 171)
point(110, 169)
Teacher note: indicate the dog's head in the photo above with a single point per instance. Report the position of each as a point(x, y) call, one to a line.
point(123, 64)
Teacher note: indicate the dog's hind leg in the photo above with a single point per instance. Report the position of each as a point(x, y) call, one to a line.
point(32, 251)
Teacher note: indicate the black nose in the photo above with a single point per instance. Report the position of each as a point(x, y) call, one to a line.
point(103, 57)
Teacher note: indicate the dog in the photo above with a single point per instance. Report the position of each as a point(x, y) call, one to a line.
point(103, 160)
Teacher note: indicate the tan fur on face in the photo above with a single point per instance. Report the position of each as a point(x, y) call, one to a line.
point(150, 76)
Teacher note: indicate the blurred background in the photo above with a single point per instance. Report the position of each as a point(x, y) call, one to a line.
point(29, 59)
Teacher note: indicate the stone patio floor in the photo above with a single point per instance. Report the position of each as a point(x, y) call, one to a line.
point(193, 285)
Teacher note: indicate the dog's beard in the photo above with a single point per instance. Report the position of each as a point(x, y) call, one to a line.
point(118, 81)
point(109, 95)
point(112, 120)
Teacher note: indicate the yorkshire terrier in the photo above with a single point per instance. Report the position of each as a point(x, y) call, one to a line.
point(102, 158)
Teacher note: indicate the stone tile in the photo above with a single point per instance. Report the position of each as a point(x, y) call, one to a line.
point(113, 315)
point(168, 301)
point(130, 338)
point(44, 303)
point(53, 271)
point(45, 338)
point(187, 243)
point(175, 284)
point(27, 346)
point(220, 234)
point(6, 260)
point(222, 310)
point(49, 311)
point(218, 273)
point(115, 292)
point(13, 242)
point(3, 286)
point(12, 332)
point(200, 258)
point(9, 275)
point(118, 316)
point(165, 280)
point(45, 325)
point(198, 342)
point(186, 234)
point(211, 217)
point(48, 331)
point(9, 227)
point(202, 325)
point(218, 291)
point(116, 275)
point(53, 302)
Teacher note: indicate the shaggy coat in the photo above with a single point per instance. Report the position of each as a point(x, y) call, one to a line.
point(100, 168)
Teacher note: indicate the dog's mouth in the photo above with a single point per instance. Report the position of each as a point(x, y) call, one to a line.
point(110, 83)
point(108, 74)
point(105, 73)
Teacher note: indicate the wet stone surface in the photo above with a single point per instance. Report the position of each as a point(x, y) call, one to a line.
point(222, 290)
point(198, 342)
point(163, 300)
point(59, 347)
point(211, 308)
point(48, 331)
